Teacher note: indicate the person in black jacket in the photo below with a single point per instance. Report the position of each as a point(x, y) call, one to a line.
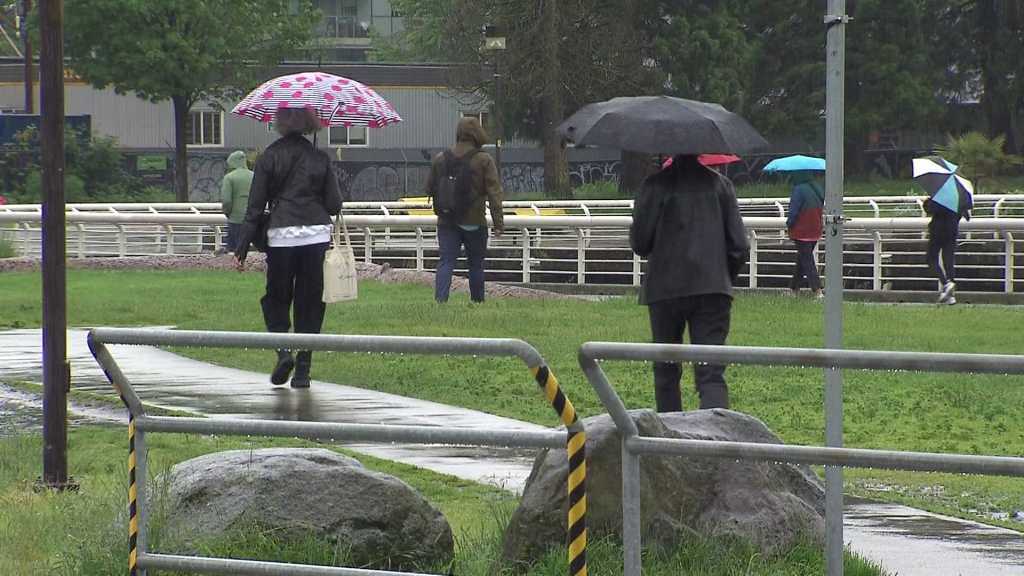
point(296, 180)
point(686, 221)
point(943, 230)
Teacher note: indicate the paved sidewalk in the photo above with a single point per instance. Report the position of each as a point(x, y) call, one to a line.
point(905, 540)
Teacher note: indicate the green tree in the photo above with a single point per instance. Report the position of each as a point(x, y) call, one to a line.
point(983, 42)
point(185, 51)
point(559, 57)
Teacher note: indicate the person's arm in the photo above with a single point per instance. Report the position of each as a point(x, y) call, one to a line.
point(258, 197)
point(796, 203)
point(332, 192)
point(737, 245)
point(226, 197)
point(645, 219)
point(492, 184)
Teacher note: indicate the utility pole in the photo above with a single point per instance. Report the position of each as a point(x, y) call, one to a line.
point(835, 71)
point(30, 105)
point(494, 40)
point(56, 370)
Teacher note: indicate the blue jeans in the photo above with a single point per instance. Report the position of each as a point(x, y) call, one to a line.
point(232, 238)
point(450, 240)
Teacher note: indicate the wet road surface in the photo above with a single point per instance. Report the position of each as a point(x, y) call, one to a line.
point(905, 540)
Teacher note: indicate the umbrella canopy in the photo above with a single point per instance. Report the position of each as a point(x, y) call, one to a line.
point(939, 179)
point(709, 160)
point(337, 101)
point(662, 125)
point(795, 164)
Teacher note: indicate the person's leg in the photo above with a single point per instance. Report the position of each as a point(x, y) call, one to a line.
point(449, 242)
point(476, 253)
point(232, 241)
point(932, 257)
point(811, 267)
point(308, 304)
point(948, 258)
point(798, 268)
point(276, 305)
point(667, 325)
point(709, 324)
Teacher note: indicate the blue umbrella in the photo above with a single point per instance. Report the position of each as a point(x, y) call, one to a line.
point(940, 180)
point(795, 164)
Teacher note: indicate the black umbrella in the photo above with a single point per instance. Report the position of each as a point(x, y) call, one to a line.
point(662, 125)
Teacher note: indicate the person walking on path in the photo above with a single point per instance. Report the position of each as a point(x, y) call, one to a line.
point(805, 226)
point(470, 176)
point(687, 222)
point(943, 230)
point(296, 181)
point(234, 195)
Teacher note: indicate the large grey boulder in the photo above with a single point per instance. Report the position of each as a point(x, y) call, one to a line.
point(295, 493)
point(773, 505)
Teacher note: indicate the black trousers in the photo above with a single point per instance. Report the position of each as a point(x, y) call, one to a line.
point(295, 279)
point(708, 317)
point(806, 267)
point(944, 246)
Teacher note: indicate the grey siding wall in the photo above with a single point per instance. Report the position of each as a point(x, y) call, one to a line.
point(430, 116)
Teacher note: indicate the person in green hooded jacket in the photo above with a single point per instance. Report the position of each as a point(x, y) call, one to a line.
point(234, 194)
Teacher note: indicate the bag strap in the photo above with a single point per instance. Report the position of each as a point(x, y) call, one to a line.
point(335, 240)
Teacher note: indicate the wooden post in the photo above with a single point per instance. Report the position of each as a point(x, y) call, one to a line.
point(56, 371)
point(30, 79)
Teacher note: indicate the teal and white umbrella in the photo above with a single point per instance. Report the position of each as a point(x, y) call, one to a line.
point(939, 179)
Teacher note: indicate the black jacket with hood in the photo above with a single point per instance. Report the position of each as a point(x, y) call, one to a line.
point(686, 221)
point(296, 180)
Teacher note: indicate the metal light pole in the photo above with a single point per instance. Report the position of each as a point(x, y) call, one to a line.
point(56, 370)
point(835, 66)
point(495, 41)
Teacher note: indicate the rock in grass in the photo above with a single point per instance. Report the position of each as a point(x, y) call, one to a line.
point(774, 506)
point(295, 494)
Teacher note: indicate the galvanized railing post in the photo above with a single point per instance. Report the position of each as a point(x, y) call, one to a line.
point(526, 254)
point(581, 257)
point(1008, 262)
point(752, 260)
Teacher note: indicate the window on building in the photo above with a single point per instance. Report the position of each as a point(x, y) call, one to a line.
point(396, 13)
point(354, 136)
point(486, 120)
point(204, 128)
point(341, 19)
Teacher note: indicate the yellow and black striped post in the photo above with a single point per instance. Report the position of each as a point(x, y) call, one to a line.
point(133, 492)
point(577, 470)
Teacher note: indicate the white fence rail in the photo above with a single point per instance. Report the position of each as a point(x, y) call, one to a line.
point(879, 253)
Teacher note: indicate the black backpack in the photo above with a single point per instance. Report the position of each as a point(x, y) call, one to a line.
point(454, 195)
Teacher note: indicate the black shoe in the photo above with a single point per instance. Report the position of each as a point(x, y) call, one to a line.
point(285, 363)
point(301, 378)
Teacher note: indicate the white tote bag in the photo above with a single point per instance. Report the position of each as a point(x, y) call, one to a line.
point(340, 283)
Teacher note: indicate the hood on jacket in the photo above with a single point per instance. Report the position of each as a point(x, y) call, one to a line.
point(237, 161)
point(801, 177)
point(471, 131)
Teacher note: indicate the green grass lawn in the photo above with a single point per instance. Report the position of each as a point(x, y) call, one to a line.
point(970, 414)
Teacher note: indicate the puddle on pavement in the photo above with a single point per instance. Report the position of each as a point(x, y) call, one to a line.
point(22, 413)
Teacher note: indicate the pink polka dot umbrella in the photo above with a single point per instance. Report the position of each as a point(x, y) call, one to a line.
point(337, 101)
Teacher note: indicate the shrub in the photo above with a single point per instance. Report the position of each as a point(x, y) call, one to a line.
point(980, 158)
point(7, 248)
point(600, 190)
point(74, 189)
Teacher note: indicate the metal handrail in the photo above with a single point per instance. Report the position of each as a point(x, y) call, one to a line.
point(634, 445)
point(139, 423)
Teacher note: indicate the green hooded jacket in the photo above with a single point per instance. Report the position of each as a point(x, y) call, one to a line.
point(234, 190)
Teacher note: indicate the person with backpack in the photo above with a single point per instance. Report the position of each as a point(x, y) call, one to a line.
point(805, 225)
point(460, 182)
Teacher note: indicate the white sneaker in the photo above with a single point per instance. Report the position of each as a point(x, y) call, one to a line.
point(951, 301)
point(947, 291)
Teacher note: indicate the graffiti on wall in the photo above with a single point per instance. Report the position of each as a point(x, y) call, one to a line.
point(387, 182)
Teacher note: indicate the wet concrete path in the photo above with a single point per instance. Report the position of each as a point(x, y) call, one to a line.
point(905, 540)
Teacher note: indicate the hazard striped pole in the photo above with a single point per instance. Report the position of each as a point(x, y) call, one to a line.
point(577, 469)
point(133, 491)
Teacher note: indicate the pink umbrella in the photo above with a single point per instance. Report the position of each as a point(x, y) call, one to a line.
point(337, 101)
point(709, 160)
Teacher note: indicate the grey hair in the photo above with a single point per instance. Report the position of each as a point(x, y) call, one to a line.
point(296, 121)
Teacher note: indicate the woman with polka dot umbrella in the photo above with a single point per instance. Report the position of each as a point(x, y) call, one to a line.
point(337, 101)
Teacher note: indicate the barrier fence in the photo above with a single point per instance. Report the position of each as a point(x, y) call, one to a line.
point(879, 253)
point(140, 423)
point(634, 445)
